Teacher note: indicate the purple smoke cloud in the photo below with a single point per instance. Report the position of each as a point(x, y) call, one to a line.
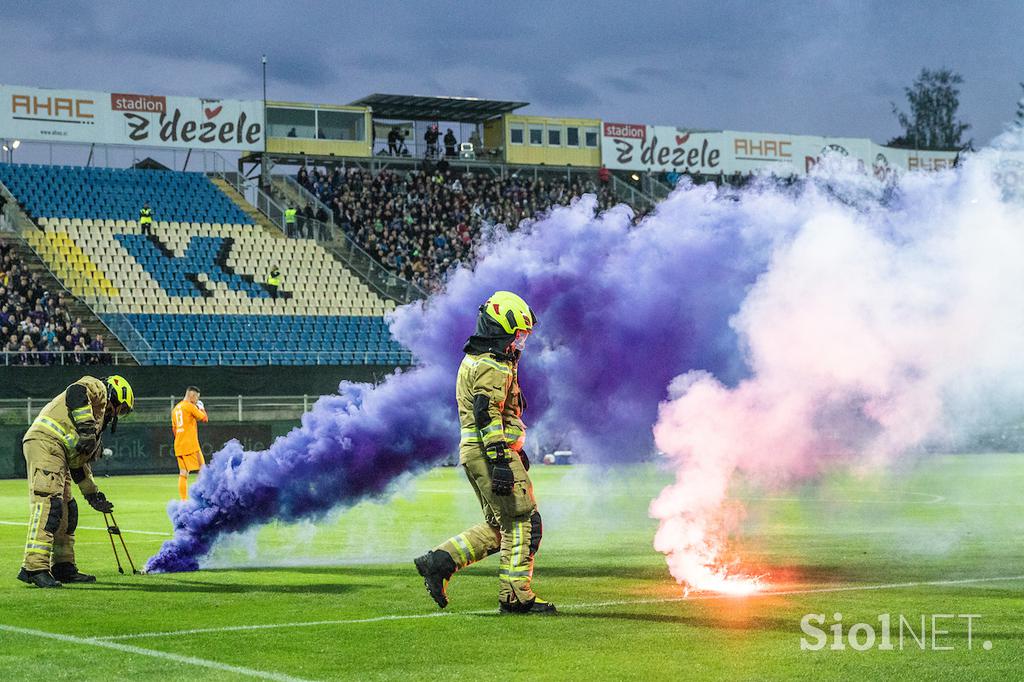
point(349, 446)
point(623, 309)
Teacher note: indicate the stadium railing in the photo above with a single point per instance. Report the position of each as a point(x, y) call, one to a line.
point(150, 409)
point(308, 196)
point(65, 357)
point(633, 196)
point(244, 358)
point(386, 283)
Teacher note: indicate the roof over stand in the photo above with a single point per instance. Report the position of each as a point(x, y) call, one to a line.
point(416, 108)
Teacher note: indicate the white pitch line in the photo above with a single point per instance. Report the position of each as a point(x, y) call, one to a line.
point(782, 593)
point(123, 530)
point(273, 626)
point(928, 498)
point(127, 648)
point(570, 607)
point(78, 543)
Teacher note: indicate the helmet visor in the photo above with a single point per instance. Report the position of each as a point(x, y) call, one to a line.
point(519, 342)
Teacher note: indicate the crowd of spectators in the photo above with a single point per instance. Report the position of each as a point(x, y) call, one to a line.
point(35, 329)
point(419, 224)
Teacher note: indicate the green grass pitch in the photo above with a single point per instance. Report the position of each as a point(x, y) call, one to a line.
point(341, 599)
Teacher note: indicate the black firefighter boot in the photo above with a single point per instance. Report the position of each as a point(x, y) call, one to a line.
point(536, 606)
point(40, 578)
point(67, 572)
point(436, 567)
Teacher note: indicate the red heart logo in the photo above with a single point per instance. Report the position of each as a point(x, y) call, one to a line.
point(681, 139)
point(210, 113)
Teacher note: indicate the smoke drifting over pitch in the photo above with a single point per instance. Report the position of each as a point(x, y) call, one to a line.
point(622, 310)
point(875, 330)
point(758, 290)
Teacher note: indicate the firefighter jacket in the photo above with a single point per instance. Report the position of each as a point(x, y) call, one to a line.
point(490, 402)
point(80, 409)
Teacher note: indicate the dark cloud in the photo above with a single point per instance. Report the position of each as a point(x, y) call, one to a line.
point(787, 66)
point(558, 90)
point(625, 86)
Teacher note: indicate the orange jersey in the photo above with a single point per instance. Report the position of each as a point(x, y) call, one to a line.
point(183, 422)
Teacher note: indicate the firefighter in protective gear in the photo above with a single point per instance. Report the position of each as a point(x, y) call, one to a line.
point(491, 405)
point(59, 447)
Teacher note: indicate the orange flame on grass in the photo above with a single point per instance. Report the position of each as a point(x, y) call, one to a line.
point(695, 554)
point(693, 536)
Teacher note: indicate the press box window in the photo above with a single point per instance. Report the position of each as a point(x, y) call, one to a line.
point(515, 134)
point(554, 137)
point(590, 137)
point(572, 137)
point(291, 123)
point(536, 135)
point(341, 125)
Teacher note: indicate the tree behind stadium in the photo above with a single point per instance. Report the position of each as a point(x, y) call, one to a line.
point(932, 124)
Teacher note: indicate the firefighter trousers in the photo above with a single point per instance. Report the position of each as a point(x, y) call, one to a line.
point(53, 512)
point(512, 525)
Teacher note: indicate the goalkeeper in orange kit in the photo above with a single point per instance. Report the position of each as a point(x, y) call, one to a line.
point(186, 437)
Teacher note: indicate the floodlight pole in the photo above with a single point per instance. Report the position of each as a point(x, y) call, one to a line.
point(264, 171)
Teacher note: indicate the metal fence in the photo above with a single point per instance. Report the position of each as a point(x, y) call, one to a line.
point(242, 358)
point(386, 282)
point(240, 408)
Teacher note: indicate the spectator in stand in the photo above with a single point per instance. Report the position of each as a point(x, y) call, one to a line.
point(431, 137)
point(604, 176)
point(322, 220)
point(393, 141)
point(474, 139)
point(306, 224)
point(81, 353)
point(96, 350)
point(450, 143)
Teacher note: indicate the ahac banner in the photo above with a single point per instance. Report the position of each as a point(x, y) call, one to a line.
point(629, 146)
point(88, 117)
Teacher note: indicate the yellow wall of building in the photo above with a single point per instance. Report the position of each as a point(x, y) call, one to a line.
point(295, 145)
point(320, 147)
point(498, 133)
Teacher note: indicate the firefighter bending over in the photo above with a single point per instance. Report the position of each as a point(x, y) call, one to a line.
point(59, 447)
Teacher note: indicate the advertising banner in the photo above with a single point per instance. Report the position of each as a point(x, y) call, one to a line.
point(639, 147)
point(89, 117)
point(628, 146)
point(143, 449)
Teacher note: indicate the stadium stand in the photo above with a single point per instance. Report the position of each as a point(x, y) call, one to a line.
point(418, 224)
point(194, 290)
point(35, 326)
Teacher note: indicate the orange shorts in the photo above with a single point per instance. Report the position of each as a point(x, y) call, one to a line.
point(193, 461)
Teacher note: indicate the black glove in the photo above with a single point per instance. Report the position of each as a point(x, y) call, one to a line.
point(99, 502)
point(86, 443)
point(526, 460)
point(502, 478)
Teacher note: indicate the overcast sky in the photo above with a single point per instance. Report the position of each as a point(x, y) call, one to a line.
point(829, 68)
